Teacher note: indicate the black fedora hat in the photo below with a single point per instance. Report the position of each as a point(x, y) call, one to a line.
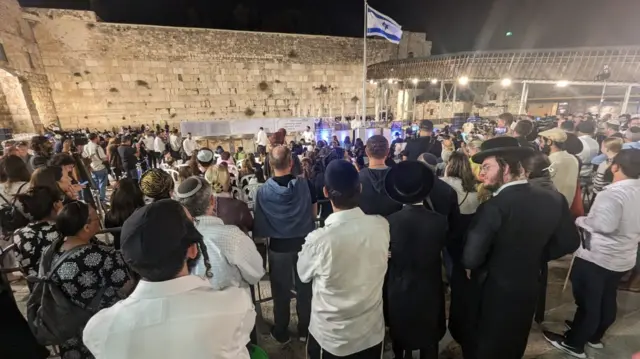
point(573, 145)
point(502, 145)
point(409, 182)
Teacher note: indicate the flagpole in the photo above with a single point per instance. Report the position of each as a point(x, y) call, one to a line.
point(364, 67)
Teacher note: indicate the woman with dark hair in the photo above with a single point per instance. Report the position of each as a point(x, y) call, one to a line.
point(68, 164)
point(42, 151)
point(40, 205)
point(307, 168)
point(257, 167)
point(538, 170)
point(347, 144)
point(14, 177)
point(93, 272)
point(126, 198)
point(54, 178)
point(458, 174)
point(335, 142)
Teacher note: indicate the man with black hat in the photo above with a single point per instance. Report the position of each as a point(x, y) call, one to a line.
point(347, 262)
point(511, 235)
point(182, 315)
point(425, 143)
point(415, 292)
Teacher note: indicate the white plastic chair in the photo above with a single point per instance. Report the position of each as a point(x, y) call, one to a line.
point(174, 175)
point(250, 193)
point(237, 193)
point(244, 181)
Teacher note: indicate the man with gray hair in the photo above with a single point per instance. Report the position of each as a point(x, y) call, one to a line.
point(235, 261)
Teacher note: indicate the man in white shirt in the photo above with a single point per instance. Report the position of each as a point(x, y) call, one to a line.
point(590, 147)
point(611, 233)
point(189, 145)
point(174, 142)
point(159, 146)
point(149, 145)
point(308, 136)
point(170, 314)
point(346, 261)
point(234, 257)
point(564, 166)
point(99, 172)
point(261, 142)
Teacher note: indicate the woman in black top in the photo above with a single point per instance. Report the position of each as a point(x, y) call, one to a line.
point(126, 198)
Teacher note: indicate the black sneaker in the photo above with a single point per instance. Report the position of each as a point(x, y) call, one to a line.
point(557, 341)
point(595, 345)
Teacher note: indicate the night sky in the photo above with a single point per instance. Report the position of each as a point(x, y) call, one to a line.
point(452, 25)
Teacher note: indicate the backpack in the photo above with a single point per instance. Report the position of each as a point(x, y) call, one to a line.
point(11, 217)
point(51, 315)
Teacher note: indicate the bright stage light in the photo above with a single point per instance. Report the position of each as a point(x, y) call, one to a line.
point(434, 81)
point(415, 81)
point(562, 83)
point(506, 82)
point(464, 80)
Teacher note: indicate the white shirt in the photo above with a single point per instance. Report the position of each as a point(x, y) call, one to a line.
point(174, 141)
point(347, 262)
point(308, 136)
point(149, 143)
point(158, 145)
point(508, 184)
point(261, 138)
point(96, 154)
point(235, 261)
point(590, 149)
point(613, 227)
point(564, 174)
point(180, 318)
point(189, 145)
point(467, 201)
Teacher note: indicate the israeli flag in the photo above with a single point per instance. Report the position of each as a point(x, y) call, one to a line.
point(381, 25)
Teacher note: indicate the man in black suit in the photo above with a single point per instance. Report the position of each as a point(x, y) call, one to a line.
point(511, 235)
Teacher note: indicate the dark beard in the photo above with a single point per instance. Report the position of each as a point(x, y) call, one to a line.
point(546, 150)
point(496, 186)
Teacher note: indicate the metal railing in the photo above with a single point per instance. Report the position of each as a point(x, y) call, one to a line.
point(572, 64)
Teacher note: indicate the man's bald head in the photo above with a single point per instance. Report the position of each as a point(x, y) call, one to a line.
point(280, 158)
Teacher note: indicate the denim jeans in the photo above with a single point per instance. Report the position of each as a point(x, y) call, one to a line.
point(283, 275)
point(101, 178)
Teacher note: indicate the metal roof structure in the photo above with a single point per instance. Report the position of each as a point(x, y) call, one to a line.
point(535, 66)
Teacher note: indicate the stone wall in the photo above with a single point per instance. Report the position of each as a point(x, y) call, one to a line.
point(105, 75)
point(26, 95)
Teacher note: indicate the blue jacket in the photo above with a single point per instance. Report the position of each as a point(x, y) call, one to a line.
point(283, 212)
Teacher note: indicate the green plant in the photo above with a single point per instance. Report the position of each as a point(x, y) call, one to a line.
point(263, 86)
point(321, 89)
point(86, 72)
point(277, 81)
point(114, 90)
point(249, 112)
point(355, 99)
point(292, 54)
point(173, 115)
point(77, 74)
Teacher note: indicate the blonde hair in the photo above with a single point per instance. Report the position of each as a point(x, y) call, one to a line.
point(475, 144)
point(219, 178)
point(613, 144)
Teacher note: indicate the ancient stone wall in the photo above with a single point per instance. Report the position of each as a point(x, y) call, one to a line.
point(104, 75)
point(26, 92)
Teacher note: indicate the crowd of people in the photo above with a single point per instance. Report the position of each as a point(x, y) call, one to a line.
point(368, 237)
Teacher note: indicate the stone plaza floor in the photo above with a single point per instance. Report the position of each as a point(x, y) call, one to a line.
point(621, 342)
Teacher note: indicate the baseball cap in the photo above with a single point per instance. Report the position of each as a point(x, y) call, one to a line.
point(554, 134)
point(154, 233)
point(341, 176)
point(426, 125)
point(205, 155)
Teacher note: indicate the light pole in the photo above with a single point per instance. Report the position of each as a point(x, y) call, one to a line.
point(415, 89)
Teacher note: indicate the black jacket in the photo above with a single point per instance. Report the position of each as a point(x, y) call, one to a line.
point(374, 199)
point(415, 292)
point(509, 237)
point(128, 157)
point(421, 145)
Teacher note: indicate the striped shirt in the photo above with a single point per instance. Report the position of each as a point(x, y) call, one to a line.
point(613, 227)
